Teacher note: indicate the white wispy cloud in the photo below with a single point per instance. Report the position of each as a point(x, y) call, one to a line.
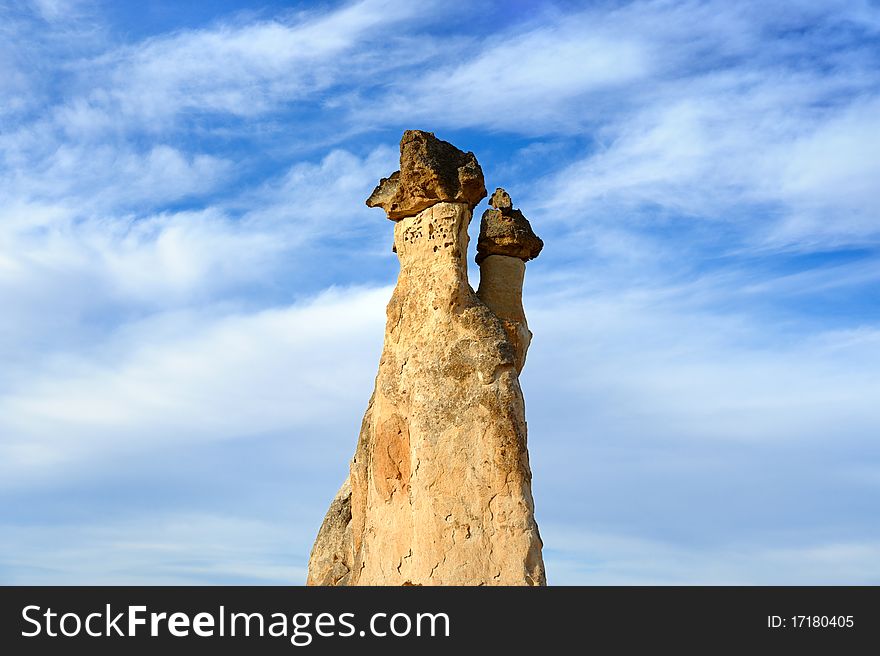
point(198, 376)
point(755, 113)
point(320, 199)
point(81, 251)
point(721, 154)
point(241, 69)
point(102, 177)
point(536, 81)
point(663, 358)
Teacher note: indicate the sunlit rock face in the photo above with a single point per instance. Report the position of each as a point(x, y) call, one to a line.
point(439, 489)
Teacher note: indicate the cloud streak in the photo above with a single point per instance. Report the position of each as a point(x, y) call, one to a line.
point(71, 413)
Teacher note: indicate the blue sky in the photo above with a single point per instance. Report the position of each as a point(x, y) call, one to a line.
point(193, 291)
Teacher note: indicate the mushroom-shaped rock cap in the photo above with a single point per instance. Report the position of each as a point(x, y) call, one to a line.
point(431, 171)
point(505, 231)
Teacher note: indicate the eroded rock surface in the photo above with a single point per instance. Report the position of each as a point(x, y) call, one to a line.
point(506, 242)
point(500, 200)
point(505, 231)
point(439, 490)
point(431, 171)
point(331, 565)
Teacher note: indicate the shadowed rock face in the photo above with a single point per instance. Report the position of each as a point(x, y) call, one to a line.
point(439, 488)
point(331, 565)
point(431, 171)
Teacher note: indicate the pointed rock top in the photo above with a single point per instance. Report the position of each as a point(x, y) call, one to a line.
point(431, 171)
point(500, 200)
point(505, 231)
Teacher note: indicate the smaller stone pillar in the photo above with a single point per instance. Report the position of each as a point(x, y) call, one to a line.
point(506, 242)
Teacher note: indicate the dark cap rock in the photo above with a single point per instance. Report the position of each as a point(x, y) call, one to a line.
point(431, 171)
point(505, 231)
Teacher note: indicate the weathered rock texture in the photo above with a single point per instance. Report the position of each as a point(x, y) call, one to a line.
point(505, 231)
point(506, 242)
point(439, 490)
point(431, 171)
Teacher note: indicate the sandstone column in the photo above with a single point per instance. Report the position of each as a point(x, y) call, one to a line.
point(506, 243)
point(439, 489)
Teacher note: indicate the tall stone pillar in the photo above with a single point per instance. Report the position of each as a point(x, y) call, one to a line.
point(439, 488)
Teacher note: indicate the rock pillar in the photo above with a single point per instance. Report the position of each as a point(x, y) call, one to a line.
point(439, 488)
